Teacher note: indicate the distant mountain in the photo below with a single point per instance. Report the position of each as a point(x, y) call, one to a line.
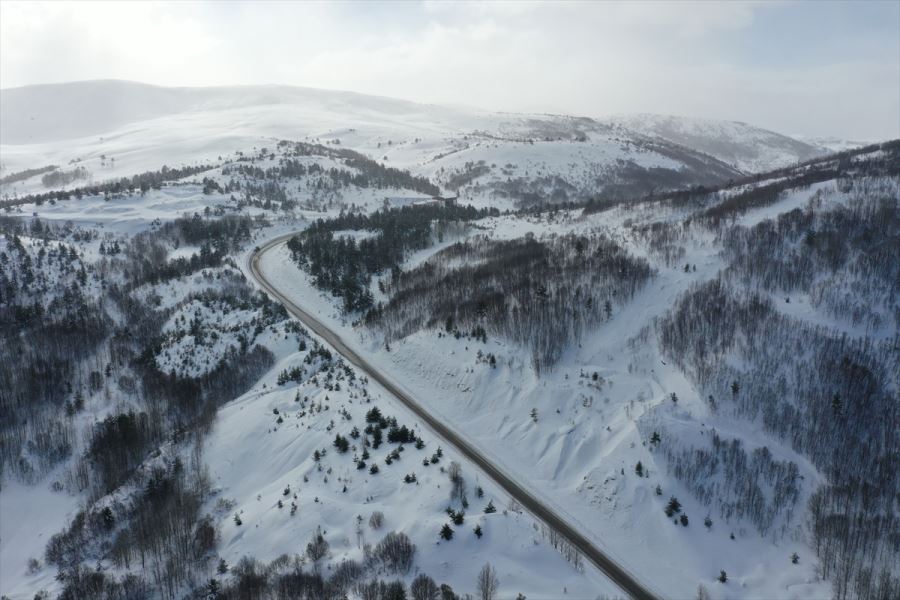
point(522, 158)
point(53, 112)
point(833, 144)
point(745, 147)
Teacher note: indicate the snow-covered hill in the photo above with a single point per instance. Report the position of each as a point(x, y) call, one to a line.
point(619, 421)
point(745, 147)
point(478, 154)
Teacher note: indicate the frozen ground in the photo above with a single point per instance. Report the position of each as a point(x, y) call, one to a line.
point(581, 453)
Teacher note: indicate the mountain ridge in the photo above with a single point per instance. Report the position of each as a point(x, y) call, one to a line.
point(44, 113)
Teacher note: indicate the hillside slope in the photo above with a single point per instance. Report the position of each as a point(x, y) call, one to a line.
point(745, 147)
point(115, 128)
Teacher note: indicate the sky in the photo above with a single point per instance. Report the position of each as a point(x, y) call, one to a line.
point(805, 68)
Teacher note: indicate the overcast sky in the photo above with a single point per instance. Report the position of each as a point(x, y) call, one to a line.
point(813, 68)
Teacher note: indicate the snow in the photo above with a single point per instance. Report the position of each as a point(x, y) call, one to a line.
point(130, 214)
point(282, 456)
point(208, 125)
point(579, 457)
point(29, 516)
point(750, 149)
point(574, 458)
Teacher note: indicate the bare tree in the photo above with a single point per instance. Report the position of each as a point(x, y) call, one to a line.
point(395, 552)
point(487, 582)
point(423, 587)
point(317, 548)
point(458, 489)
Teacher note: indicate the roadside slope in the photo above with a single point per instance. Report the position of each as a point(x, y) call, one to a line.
point(625, 580)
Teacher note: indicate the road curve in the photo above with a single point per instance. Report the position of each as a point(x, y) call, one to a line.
point(622, 578)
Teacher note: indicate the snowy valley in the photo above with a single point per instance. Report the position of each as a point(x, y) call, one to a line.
point(679, 335)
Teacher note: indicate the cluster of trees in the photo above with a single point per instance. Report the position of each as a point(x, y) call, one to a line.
point(544, 294)
point(161, 533)
point(59, 350)
point(147, 252)
point(142, 182)
point(842, 256)
point(665, 240)
point(744, 485)
point(833, 401)
point(285, 578)
point(59, 177)
point(26, 174)
point(369, 172)
point(267, 187)
point(344, 266)
point(829, 395)
point(880, 160)
point(874, 160)
point(49, 317)
point(469, 172)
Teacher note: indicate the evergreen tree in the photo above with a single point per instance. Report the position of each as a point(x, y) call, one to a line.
point(673, 507)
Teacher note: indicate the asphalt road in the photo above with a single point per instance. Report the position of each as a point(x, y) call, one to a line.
point(622, 578)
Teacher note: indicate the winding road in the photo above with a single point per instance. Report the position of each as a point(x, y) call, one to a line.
point(622, 578)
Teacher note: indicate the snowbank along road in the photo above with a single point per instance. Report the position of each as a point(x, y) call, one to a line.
point(621, 577)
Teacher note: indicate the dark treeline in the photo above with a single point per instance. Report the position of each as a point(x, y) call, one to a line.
point(541, 293)
point(49, 321)
point(148, 252)
point(76, 332)
point(344, 266)
point(744, 485)
point(142, 182)
point(59, 177)
point(829, 396)
point(370, 173)
point(285, 578)
point(26, 174)
point(159, 533)
point(844, 256)
point(361, 172)
point(883, 161)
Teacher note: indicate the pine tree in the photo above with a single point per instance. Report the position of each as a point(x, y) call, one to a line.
point(341, 443)
point(489, 508)
point(723, 577)
point(673, 507)
point(446, 532)
point(639, 469)
point(478, 532)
